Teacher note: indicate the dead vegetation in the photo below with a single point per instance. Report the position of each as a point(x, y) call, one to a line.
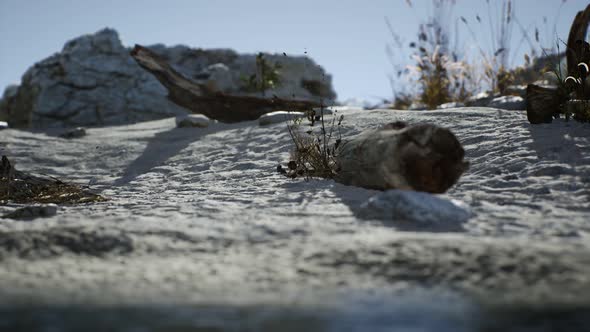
point(316, 145)
point(444, 70)
point(24, 188)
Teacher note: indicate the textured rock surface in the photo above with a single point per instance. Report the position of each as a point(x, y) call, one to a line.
point(450, 105)
point(508, 103)
point(279, 116)
point(93, 81)
point(7, 98)
point(192, 120)
point(481, 99)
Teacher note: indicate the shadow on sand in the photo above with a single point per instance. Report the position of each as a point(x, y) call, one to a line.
point(163, 146)
point(354, 198)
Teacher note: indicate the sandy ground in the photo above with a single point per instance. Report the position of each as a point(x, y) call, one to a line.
point(201, 217)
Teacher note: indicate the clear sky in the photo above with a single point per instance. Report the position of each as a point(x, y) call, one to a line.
point(346, 37)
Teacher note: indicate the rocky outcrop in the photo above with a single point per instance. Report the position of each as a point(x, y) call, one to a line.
point(508, 103)
point(94, 81)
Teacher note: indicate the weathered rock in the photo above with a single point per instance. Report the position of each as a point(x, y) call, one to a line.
point(7, 97)
point(420, 208)
point(450, 105)
point(218, 78)
point(94, 81)
point(481, 99)
point(508, 103)
point(192, 121)
point(33, 211)
point(516, 90)
point(278, 117)
point(416, 106)
point(73, 133)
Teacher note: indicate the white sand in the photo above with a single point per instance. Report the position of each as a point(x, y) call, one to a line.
point(200, 215)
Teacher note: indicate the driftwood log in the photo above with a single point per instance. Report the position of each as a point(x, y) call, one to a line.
point(198, 98)
point(422, 157)
point(542, 103)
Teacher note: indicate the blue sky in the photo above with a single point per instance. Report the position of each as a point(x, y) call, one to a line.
point(346, 37)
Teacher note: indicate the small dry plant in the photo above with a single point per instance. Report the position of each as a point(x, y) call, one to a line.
point(316, 145)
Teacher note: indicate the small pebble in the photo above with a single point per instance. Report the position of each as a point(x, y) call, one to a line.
point(74, 133)
point(192, 121)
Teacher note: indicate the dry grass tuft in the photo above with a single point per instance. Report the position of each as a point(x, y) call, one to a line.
point(316, 145)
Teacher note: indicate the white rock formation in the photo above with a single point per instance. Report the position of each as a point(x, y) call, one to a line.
point(278, 117)
point(450, 105)
point(192, 120)
point(481, 99)
point(94, 81)
point(508, 103)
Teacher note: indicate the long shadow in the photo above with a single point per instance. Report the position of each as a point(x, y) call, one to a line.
point(354, 198)
point(562, 141)
point(162, 147)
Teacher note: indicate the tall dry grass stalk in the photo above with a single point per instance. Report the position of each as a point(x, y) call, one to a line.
point(445, 70)
point(316, 145)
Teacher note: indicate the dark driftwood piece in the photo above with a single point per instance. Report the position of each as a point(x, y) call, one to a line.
point(543, 103)
point(22, 187)
point(200, 99)
point(421, 157)
point(577, 49)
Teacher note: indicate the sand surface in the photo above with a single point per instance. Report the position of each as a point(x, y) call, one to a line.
point(199, 216)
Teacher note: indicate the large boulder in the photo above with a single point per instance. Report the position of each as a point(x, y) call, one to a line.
point(94, 81)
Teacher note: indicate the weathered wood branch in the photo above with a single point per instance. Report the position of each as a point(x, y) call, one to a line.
point(421, 157)
point(198, 98)
point(577, 48)
point(543, 104)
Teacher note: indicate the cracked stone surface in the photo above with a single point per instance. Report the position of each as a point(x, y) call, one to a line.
point(93, 81)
